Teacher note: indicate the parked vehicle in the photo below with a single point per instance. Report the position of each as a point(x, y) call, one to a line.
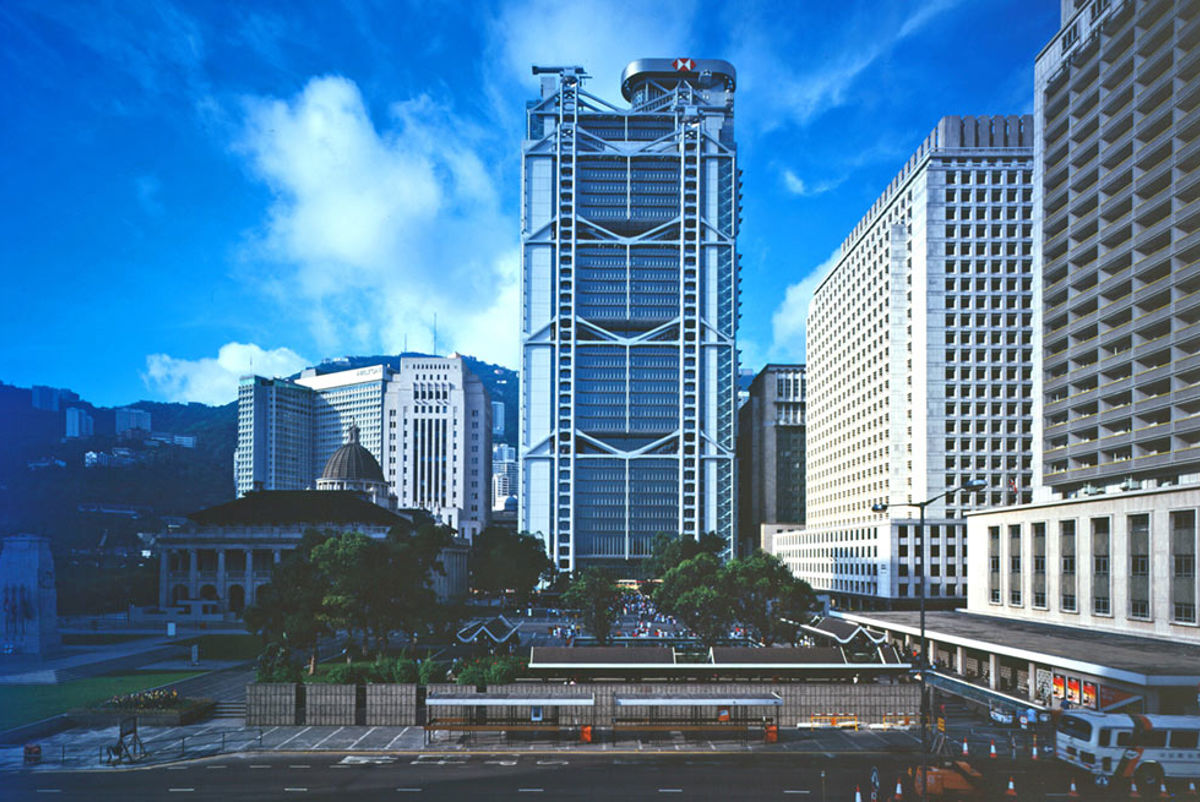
point(1123, 746)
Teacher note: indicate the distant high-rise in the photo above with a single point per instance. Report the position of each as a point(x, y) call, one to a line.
point(629, 310)
point(129, 419)
point(498, 418)
point(428, 425)
point(771, 453)
point(79, 423)
point(920, 363)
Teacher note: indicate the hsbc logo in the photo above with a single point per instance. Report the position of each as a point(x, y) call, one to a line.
point(684, 64)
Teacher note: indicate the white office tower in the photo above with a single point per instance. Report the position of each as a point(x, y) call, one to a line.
point(439, 441)
point(428, 425)
point(505, 474)
point(920, 362)
point(1111, 543)
point(629, 311)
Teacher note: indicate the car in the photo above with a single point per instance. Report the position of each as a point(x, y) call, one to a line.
point(1001, 715)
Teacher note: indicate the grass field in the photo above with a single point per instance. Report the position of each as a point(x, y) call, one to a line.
point(226, 647)
point(22, 704)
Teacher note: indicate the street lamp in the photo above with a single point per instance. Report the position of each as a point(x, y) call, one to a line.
point(971, 484)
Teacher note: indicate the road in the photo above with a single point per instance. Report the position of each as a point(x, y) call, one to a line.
point(498, 776)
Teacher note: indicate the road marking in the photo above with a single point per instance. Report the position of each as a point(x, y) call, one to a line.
point(364, 760)
point(364, 735)
point(500, 762)
point(294, 736)
point(530, 790)
point(295, 789)
point(177, 768)
point(49, 790)
point(397, 738)
point(795, 791)
point(670, 790)
point(181, 790)
point(215, 767)
point(552, 762)
point(299, 766)
point(408, 790)
point(317, 745)
point(260, 766)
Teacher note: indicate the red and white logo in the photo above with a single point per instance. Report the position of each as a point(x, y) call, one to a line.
point(685, 64)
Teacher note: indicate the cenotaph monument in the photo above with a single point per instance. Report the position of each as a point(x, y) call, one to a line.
point(30, 602)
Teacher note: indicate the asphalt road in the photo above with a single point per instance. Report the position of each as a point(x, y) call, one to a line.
point(461, 777)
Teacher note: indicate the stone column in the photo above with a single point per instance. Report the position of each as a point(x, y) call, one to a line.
point(193, 574)
point(1033, 682)
point(222, 592)
point(960, 661)
point(164, 577)
point(250, 596)
point(993, 670)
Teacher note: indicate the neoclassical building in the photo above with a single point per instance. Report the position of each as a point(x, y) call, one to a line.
point(228, 551)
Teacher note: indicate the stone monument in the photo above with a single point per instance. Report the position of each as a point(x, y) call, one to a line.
point(30, 602)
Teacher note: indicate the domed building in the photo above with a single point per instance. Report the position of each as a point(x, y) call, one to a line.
point(352, 467)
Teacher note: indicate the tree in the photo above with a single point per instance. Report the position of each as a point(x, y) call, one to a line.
point(695, 592)
point(504, 562)
point(288, 610)
point(669, 551)
point(597, 598)
point(764, 593)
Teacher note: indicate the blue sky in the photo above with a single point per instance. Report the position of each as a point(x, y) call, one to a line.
point(197, 190)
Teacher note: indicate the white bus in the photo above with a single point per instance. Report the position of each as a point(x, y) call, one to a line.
point(1127, 746)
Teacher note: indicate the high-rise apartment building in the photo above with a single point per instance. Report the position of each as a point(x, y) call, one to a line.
point(920, 353)
point(129, 419)
point(428, 425)
point(629, 310)
point(771, 453)
point(1111, 542)
point(79, 423)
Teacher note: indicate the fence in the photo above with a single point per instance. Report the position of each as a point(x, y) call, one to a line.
point(214, 742)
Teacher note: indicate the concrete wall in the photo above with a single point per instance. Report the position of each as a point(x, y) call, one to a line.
point(271, 704)
point(329, 704)
point(391, 705)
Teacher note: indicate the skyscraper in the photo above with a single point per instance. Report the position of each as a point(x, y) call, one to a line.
point(629, 310)
point(920, 368)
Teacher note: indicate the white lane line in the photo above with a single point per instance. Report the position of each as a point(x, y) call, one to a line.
point(364, 735)
point(260, 766)
point(216, 767)
point(397, 738)
point(181, 790)
point(178, 768)
point(299, 766)
point(49, 790)
point(530, 790)
point(795, 791)
point(409, 790)
point(317, 745)
point(294, 736)
point(295, 789)
point(670, 790)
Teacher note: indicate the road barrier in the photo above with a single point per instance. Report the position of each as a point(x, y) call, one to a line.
point(838, 720)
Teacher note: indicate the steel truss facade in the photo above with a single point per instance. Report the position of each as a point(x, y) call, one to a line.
point(630, 311)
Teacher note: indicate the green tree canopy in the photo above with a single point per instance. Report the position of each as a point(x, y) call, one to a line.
point(668, 551)
point(597, 598)
point(288, 610)
point(766, 597)
point(694, 591)
point(504, 562)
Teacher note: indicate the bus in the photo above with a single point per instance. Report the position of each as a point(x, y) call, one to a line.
point(1124, 746)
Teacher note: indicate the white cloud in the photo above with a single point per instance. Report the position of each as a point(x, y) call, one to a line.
point(797, 186)
point(789, 89)
point(214, 381)
point(374, 230)
point(789, 321)
point(603, 37)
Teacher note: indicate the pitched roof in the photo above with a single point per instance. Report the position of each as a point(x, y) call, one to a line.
point(601, 655)
point(266, 507)
point(724, 655)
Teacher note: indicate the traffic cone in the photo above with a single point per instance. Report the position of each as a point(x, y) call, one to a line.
point(1035, 754)
point(1074, 792)
point(992, 750)
point(1191, 792)
point(1012, 791)
point(899, 797)
point(857, 794)
point(1133, 791)
point(1162, 790)
point(966, 752)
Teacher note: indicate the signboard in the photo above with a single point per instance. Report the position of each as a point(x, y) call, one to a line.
point(535, 713)
point(1110, 696)
point(1073, 690)
point(941, 724)
point(1089, 695)
point(1043, 684)
point(1060, 685)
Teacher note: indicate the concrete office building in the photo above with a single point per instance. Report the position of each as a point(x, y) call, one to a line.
point(505, 475)
point(78, 423)
point(771, 453)
point(128, 419)
point(428, 425)
point(498, 418)
point(629, 311)
point(920, 369)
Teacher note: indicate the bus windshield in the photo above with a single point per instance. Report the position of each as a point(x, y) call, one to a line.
point(1076, 728)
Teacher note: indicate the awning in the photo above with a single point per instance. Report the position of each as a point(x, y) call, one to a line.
point(698, 701)
point(509, 700)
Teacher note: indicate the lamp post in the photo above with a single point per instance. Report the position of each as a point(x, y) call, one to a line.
point(972, 484)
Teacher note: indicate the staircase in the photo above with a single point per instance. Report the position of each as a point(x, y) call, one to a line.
point(230, 709)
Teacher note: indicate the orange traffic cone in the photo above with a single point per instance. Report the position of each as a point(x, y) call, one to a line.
point(899, 797)
point(1191, 791)
point(1074, 792)
point(1012, 791)
point(1133, 791)
point(992, 750)
point(1162, 790)
point(966, 752)
point(1035, 754)
point(857, 794)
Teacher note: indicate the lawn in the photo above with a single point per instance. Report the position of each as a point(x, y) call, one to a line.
point(226, 647)
point(22, 704)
